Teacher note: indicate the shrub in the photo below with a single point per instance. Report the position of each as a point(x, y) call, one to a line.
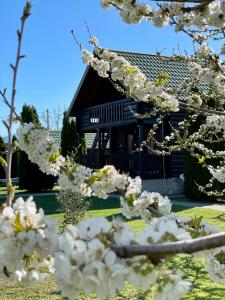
point(30, 176)
point(73, 206)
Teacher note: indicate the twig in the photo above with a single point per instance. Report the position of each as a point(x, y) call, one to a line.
point(11, 104)
point(76, 40)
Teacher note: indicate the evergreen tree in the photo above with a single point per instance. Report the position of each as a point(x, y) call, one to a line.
point(30, 176)
point(3, 155)
point(71, 140)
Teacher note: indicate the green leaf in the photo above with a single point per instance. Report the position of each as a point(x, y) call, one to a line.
point(196, 222)
point(3, 162)
point(17, 224)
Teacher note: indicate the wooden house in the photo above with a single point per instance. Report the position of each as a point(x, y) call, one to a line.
point(105, 113)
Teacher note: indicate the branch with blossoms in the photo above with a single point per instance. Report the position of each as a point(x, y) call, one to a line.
point(11, 104)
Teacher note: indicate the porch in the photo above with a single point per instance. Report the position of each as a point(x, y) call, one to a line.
point(142, 164)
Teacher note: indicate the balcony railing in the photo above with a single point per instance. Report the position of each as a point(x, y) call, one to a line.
point(117, 112)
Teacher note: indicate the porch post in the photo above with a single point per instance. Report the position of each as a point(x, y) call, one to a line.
point(99, 147)
point(110, 144)
point(140, 140)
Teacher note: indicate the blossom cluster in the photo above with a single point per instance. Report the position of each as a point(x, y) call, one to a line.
point(85, 262)
point(213, 13)
point(218, 173)
point(82, 258)
point(27, 241)
point(216, 122)
point(145, 205)
point(40, 148)
point(133, 79)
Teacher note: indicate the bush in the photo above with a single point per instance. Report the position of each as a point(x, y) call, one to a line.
point(30, 176)
point(73, 206)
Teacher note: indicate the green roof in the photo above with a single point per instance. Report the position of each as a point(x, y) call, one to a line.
point(154, 65)
point(56, 134)
point(89, 137)
point(151, 65)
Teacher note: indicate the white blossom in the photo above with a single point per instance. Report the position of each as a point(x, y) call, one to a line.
point(27, 241)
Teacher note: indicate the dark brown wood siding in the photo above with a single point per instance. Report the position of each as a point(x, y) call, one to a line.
point(176, 166)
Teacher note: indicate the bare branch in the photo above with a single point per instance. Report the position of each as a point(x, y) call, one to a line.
point(11, 104)
point(76, 40)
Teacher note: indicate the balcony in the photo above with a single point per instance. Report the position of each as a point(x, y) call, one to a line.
point(114, 113)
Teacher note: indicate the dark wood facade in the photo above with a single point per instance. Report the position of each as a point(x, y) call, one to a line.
point(99, 109)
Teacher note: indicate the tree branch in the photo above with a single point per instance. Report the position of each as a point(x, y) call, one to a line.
point(11, 104)
point(165, 249)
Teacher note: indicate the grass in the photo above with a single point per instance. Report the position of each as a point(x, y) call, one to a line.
point(18, 191)
point(193, 269)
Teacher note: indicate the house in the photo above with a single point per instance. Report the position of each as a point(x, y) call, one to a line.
point(103, 112)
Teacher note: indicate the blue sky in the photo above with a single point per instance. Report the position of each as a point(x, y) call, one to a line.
point(50, 74)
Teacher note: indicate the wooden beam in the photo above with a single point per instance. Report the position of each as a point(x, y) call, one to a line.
point(140, 140)
point(99, 147)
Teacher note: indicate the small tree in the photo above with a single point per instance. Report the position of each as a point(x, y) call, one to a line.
point(3, 155)
point(71, 140)
point(30, 176)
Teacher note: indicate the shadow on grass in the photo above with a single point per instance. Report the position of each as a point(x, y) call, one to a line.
point(195, 272)
point(96, 203)
point(177, 208)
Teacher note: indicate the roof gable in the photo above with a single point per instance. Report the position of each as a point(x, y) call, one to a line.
point(93, 88)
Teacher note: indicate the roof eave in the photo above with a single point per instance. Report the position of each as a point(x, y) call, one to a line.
point(77, 91)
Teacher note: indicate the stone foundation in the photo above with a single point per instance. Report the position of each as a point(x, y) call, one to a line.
point(168, 186)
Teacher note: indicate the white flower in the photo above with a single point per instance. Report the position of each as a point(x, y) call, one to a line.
point(87, 56)
point(175, 289)
point(215, 264)
point(163, 230)
point(90, 228)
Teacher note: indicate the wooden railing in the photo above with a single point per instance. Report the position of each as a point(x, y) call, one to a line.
point(138, 163)
point(117, 112)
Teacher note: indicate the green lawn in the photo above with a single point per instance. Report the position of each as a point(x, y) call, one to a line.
point(3, 190)
point(18, 191)
point(193, 269)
